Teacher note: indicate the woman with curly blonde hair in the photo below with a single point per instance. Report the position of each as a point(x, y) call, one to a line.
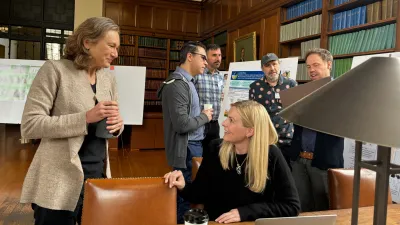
point(246, 176)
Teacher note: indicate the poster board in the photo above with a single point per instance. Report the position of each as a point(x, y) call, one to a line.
point(16, 77)
point(241, 75)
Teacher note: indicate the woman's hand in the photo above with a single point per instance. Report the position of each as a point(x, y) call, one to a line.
point(229, 217)
point(102, 110)
point(115, 123)
point(175, 178)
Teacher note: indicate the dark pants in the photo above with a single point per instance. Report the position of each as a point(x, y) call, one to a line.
point(211, 130)
point(311, 184)
point(194, 149)
point(44, 216)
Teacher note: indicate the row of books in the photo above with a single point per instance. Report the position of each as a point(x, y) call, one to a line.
point(124, 60)
point(305, 27)
point(307, 45)
point(341, 66)
point(349, 18)
point(153, 73)
point(174, 55)
point(173, 65)
point(302, 8)
point(127, 39)
point(152, 103)
point(301, 72)
point(177, 45)
point(152, 63)
point(159, 53)
point(389, 8)
point(339, 2)
point(378, 38)
point(127, 50)
point(153, 84)
point(150, 95)
point(153, 42)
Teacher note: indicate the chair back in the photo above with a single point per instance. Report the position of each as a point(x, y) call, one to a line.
point(145, 201)
point(196, 162)
point(340, 183)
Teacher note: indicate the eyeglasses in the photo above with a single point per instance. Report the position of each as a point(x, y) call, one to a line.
point(201, 55)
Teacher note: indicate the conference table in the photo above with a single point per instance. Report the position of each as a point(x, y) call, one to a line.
point(365, 216)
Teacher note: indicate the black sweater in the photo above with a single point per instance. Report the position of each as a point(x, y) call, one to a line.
point(220, 190)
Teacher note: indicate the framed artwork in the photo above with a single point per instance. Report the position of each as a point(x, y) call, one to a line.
point(245, 48)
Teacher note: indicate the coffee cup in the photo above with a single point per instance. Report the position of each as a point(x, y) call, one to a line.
point(208, 106)
point(196, 217)
point(101, 129)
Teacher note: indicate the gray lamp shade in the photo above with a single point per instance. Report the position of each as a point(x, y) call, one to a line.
point(363, 104)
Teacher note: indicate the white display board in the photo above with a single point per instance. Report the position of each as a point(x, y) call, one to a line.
point(241, 75)
point(16, 77)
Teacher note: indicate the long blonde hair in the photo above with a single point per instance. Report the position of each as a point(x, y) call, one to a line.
point(253, 115)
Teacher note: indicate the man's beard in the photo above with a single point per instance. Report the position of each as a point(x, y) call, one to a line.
point(272, 78)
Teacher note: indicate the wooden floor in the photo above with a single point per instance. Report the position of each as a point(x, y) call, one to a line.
point(16, 157)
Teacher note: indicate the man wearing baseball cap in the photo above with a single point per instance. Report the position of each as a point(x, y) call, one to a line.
point(266, 92)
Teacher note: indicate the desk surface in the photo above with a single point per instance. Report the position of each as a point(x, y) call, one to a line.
point(365, 216)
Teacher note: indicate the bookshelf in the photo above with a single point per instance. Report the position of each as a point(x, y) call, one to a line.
point(347, 28)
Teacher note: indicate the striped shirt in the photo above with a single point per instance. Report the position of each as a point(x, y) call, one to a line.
point(209, 86)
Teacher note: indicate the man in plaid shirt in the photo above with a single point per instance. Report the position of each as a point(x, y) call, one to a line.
point(209, 86)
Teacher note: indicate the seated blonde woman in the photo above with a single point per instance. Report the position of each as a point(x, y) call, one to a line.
point(246, 177)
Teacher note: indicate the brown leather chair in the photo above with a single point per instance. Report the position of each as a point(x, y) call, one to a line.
point(196, 162)
point(340, 183)
point(145, 201)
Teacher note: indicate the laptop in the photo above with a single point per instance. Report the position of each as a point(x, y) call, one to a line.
point(299, 220)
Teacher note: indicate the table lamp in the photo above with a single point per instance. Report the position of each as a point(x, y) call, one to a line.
point(362, 104)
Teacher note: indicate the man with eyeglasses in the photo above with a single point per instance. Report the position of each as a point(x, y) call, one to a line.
point(209, 86)
point(183, 119)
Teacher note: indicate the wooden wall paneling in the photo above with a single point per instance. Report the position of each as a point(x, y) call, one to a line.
point(243, 6)
point(144, 16)
point(207, 16)
point(159, 133)
point(271, 37)
point(324, 25)
point(251, 28)
point(255, 2)
point(231, 38)
point(160, 18)
point(233, 8)
point(175, 20)
point(217, 12)
point(143, 136)
point(225, 10)
point(129, 14)
point(192, 23)
point(113, 11)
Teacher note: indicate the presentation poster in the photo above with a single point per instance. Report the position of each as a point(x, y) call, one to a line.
point(16, 77)
point(241, 75)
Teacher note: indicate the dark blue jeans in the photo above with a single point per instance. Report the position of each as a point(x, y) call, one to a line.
point(194, 149)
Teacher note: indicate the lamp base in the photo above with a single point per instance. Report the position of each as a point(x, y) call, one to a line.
point(383, 169)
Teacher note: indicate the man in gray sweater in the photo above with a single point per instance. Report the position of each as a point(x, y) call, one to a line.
point(183, 119)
